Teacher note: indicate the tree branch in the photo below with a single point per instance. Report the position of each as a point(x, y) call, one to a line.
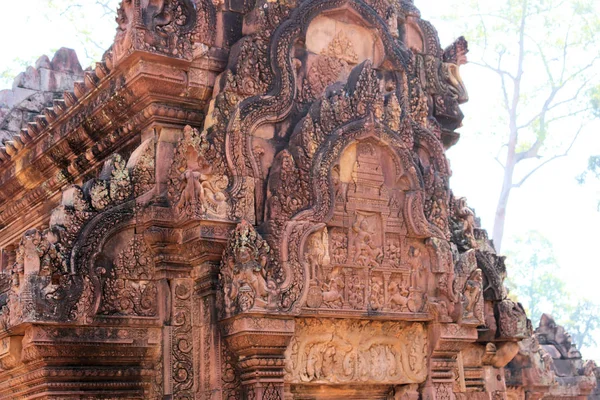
point(533, 171)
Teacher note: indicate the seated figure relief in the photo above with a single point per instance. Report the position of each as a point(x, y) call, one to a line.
point(244, 275)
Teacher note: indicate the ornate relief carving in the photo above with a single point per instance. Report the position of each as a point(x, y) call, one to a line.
point(463, 224)
point(114, 185)
point(324, 71)
point(342, 351)
point(252, 74)
point(124, 297)
point(136, 260)
point(344, 174)
point(341, 48)
point(363, 248)
point(197, 185)
point(182, 372)
point(370, 264)
point(469, 283)
point(143, 168)
point(230, 375)
point(246, 275)
point(169, 25)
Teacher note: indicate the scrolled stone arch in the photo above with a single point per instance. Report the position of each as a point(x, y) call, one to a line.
point(277, 103)
point(295, 232)
point(88, 248)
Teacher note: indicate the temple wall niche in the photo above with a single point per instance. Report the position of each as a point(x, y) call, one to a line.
point(334, 43)
point(126, 271)
point(343, 35)
point(365, 259)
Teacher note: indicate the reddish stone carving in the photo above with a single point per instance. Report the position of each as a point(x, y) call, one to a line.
point(250, 200)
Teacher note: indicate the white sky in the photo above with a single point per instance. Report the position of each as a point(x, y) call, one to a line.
point(551, 202)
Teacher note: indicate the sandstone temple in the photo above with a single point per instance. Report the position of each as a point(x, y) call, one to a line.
point(249, 199)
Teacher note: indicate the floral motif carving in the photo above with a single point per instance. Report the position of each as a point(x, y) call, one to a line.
point(123, 297)
point(182, 370)
point(136, 260)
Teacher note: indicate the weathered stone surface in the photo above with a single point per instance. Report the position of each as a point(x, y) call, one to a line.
point(251, 201)
point(35, 89)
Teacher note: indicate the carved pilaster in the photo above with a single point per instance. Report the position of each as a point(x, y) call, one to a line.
point(260, 343)
point(207, 339)
point(447, 340)
point(182, 369)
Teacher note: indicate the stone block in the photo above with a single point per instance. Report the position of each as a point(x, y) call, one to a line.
point(7, 98)
point(66, 60)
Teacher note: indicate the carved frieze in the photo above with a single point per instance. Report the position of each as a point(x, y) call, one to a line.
point(356, 352)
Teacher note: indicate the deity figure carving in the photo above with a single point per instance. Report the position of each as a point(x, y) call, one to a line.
point(472, 307)
point(245, 275)
point(340, 188)
point(464, 219)
point(339, 246)
point(338, 351)
point(317, 253)
point(333, 289)
point(398, 295)
point(356, 296)
point(342, 48)
point(39, 253)
point(455, 56)
point(196, 189)
point(377, 296)
point(417, 269)
point(362, 246)
point(393, 252)
point(417, 297)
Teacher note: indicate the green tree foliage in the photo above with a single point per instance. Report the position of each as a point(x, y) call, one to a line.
point(582, 321)
point(532, 277)
point(78, 13)
point(533, 281)
point(542, 56)
point(592, 175)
